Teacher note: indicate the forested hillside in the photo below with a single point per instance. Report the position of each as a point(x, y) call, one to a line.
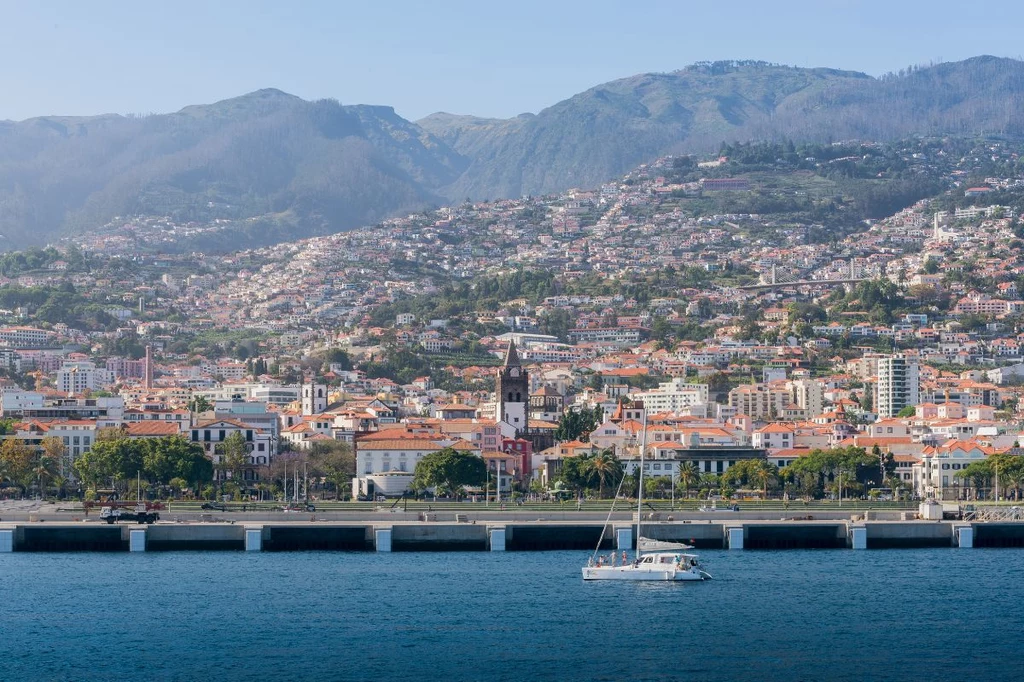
point(314, 167)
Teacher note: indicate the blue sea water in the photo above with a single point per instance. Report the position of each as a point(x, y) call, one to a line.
point(785, 615)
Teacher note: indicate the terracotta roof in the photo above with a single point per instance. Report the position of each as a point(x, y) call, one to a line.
point(152, 428)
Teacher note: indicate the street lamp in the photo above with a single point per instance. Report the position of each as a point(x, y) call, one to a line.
point(673, 465)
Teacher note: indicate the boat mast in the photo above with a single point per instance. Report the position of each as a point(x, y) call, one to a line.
point(640, 490)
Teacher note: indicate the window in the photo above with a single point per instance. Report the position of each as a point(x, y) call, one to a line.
point(945, 465)
point(222, 434)
point(261, 447)
point(657, 466)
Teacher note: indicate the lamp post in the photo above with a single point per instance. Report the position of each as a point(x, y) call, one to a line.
point(673, 485)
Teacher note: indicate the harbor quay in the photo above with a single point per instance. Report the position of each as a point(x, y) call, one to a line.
point(398, 532)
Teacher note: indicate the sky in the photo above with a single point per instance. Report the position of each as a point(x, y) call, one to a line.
point(486, 57)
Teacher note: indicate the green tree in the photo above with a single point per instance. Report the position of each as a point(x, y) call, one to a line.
point(112, 456)
point(577, 423)
point(764, 474)
point(17, 463)
point(688, 477)
point(908, 411)
point(449, 470)
point(234, 455)
point(199, 404)
point(977, 476)
point(606, 469)
point(336, 463)
point(576, 473)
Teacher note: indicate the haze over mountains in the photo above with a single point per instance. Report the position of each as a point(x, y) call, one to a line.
point(322, 167)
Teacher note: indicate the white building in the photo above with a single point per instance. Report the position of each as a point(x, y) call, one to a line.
point(75, 377)
point(26, 337)
point(674, 396)
point(899, 385)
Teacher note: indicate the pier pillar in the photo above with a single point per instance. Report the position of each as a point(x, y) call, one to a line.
point(253, 539)
point(964, 536)
point(735, 536)
point(6, 540)
point(859, 537)
point(382, 539)
point(497, 538)
point(137, 540)
point(624, 538)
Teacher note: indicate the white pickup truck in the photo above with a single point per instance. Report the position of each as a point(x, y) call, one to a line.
point(139, 515)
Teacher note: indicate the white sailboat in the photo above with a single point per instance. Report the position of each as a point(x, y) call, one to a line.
point(658, 560)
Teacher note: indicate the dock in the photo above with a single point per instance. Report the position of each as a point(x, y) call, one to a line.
point(410, 532)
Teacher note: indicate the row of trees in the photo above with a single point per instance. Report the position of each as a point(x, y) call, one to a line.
point(840, 471)
point(117, 460)
point(173, 464)
point(24, 466)
point(1001, 473)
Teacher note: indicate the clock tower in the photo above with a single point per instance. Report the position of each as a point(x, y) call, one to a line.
point(513, 388)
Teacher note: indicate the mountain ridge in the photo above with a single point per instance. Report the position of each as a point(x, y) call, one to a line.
point(333, 167)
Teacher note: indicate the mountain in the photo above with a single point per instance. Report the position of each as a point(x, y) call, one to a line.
point(602, 132)
point(328, 167)
point(313, 167)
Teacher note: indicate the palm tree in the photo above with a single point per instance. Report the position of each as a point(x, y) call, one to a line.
point(607, 468)
point(896, 484)
point(60, 482)
point(763, 474)
point(689, 476)
point(43, 470)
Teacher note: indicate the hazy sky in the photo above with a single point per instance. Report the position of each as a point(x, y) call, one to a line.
point(483, 57)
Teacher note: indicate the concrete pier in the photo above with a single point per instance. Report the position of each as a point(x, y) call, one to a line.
point(858, 537)
point(497, 539)
point(735, 536)
point(964, 536)
point(624, 538)
point(254, 539)
point(137, 540)
point(382, 539)
point(514, 535)
point(6, 540)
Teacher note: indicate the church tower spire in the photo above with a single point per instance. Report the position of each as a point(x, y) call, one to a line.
point(511, 356)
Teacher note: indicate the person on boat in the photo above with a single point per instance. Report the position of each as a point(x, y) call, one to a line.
point(624, 559)
point(600, 561)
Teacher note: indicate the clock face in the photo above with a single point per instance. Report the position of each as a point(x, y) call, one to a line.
point(514, 372)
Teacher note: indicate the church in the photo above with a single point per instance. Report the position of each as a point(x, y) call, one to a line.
point(512, 389)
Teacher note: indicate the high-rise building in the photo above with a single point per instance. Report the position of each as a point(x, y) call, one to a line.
point(899, 385)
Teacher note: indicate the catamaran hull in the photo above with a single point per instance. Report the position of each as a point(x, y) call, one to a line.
point(641, 574)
